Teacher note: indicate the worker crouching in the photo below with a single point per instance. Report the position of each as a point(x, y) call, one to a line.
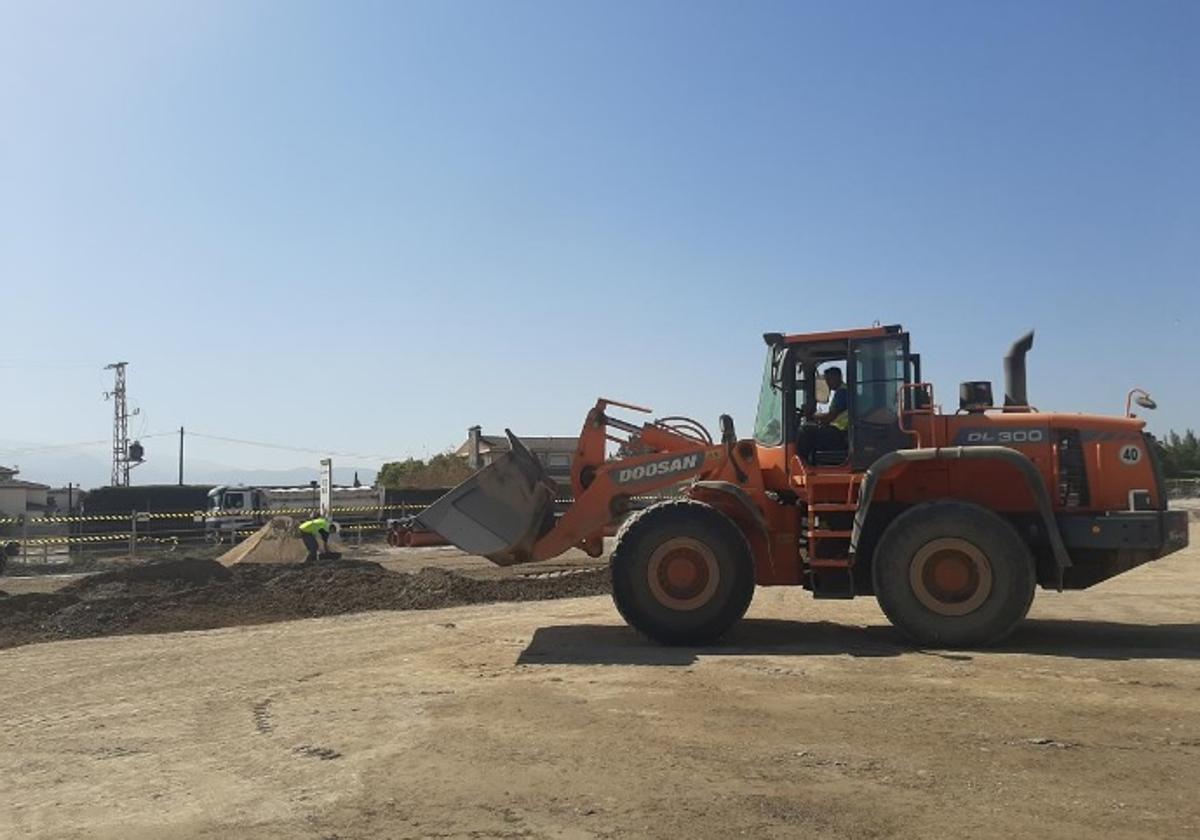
point(313, 529)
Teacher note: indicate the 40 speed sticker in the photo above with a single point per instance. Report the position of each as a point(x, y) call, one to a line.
point(1130, 454)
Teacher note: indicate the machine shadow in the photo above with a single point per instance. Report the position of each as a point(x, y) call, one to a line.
point(608, 644)
point(1104, 640)
point(611, 644)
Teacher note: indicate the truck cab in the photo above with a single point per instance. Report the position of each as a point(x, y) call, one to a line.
point(230, 508)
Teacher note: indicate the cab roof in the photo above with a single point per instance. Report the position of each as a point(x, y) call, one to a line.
point(833, 335)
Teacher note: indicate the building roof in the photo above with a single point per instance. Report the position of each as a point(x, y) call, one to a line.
point(16, 483)
point(8, 472)
point(541, 444)
point(499, 443)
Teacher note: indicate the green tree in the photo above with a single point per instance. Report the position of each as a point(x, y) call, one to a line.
point(443, 470)
point(1180, 454)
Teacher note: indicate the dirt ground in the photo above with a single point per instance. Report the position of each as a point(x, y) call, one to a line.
point(552, 719)
point(395, 559)
point(198, 593)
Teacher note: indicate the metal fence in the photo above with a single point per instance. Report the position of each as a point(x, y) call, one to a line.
point(1183, 488)
point(73, 539)
point(79, 541)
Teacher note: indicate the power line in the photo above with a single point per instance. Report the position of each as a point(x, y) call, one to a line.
point(225, 439)
point(49, 447)
point(12, 364)
point(285, 448)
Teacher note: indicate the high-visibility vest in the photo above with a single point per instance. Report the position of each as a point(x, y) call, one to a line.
point(842, 421)
point(313, 526)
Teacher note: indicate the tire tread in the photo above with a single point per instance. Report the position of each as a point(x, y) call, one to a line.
point(665, 515)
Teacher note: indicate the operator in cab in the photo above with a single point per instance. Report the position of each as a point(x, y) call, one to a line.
point(829, 430)
point(310, 530)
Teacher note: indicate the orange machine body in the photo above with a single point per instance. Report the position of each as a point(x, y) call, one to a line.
point(803, 521)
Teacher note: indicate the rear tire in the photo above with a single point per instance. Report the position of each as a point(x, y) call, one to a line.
point(682, 573)
point(953, 574)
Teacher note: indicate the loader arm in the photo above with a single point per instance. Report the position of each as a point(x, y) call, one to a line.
point(504, 512)
point(674, 450)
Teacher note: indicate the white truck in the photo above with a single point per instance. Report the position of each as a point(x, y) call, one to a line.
point(235, 508)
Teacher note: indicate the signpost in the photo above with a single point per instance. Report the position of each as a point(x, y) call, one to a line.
point(327, 487)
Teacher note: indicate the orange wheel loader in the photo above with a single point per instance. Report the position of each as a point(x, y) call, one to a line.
point(950, 520)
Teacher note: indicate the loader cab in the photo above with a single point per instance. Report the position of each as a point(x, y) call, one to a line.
point(875, 363)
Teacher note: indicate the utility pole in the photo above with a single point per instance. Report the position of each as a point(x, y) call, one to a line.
point(121, 415)
point(181, 456)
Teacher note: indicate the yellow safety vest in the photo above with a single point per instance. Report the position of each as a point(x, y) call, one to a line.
point(312, 526)
point(842, 421)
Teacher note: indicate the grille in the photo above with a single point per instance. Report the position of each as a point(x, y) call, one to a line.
point(1072, 474)
point(1160, 479)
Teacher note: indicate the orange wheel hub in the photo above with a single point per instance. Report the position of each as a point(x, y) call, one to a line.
point(951, 576)
point(682, 573)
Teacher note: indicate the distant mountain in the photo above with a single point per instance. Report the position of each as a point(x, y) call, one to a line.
point(58, 468)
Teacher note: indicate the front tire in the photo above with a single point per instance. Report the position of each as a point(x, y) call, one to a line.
point(682, 573)
point(953, 574)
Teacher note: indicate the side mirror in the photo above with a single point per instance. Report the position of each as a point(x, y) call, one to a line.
point(1145, 401)
point(728, 435)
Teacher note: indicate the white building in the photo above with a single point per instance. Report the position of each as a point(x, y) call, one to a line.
point(61, 501)
point(21, 498)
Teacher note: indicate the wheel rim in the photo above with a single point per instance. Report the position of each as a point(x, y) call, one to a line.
point(683, 573)
point(950, 576)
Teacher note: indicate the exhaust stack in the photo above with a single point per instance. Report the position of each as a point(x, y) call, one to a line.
point(1014, 372)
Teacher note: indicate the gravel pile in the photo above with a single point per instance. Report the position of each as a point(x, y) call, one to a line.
point(197, 594)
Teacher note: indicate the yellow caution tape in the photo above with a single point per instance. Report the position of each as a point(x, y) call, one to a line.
point(201, 515)
point(77, 539)
point(195, 515)
point(83, 539)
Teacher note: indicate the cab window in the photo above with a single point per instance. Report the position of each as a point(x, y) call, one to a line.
point(879, 371)
point(768, 422)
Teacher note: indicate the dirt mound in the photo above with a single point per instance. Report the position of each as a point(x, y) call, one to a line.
point(34, 604)
point(276, 542)
point(197, 594)
point(151, 578)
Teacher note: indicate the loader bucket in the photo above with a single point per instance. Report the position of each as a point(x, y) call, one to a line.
point(499, 512)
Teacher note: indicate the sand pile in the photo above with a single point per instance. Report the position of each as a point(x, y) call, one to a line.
point(198, 594)
point(276, 542)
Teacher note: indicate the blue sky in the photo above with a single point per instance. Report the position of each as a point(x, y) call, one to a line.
point(365, 226)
